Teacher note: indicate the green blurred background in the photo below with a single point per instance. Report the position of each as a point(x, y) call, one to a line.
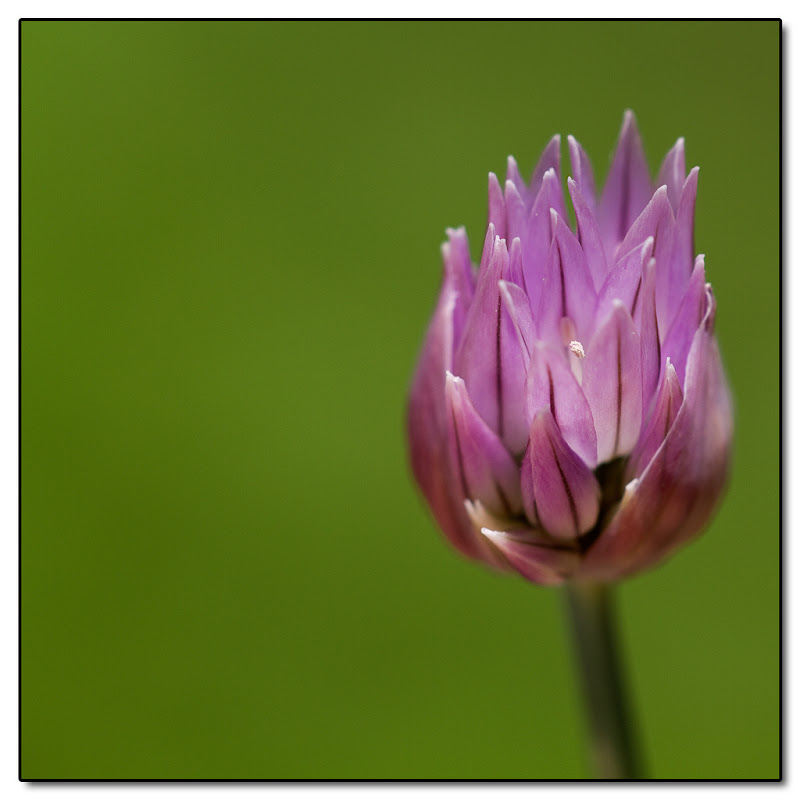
point(230, 251)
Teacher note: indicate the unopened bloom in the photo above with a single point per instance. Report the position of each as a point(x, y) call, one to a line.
point(569, 416)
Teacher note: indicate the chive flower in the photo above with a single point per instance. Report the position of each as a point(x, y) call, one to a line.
point(569, 417)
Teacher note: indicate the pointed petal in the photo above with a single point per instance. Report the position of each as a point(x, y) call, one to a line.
point(516, 213)
point(565, 494)
point(533, 558)
point(427, 420)
point(445, 329)
point(535, 248)
point(458, 264)
point(497, 206)
point(673, 173)
point(490, 358)
point(588, 234)
point(624, 282)
point(427, 411)
point(679, 489)
point(647, 321)
point(516, 305)
point(486, 470)
point(515, 272)
point(489, 242)
point(690, 313)
point(682, 258)
point(668, 402)
point(549, 159)
point(684, 220)
point(427, 430)
point(627, 188)
point(567, 289)
point(656, 220)
point(582, 173)
point(512, 174)
point(551, 384)
point(612, 384)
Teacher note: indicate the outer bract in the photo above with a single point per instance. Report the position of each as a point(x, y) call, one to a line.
point(569, 416)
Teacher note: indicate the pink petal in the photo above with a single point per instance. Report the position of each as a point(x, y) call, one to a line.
point(551, 384)
point(682, 257)
point(567, 288)
point(588, 235)
point(497, 206)
point(668, 403)
point(689, 316)
point(679, 489)
point(647, 320)
point(559, 491)
point(537, 244)
point(490, 358)
point(485, 469)
point(534, 559)
point(512, 174)
point(624, 282)
point(427, 430)
point(673, 173)
point(627, 188)
point(549, 159)
point(612, 383)
point(582, 173)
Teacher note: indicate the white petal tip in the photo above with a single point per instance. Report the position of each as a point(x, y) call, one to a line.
point(619, 305)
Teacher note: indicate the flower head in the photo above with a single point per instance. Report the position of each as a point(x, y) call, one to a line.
point(569, 416)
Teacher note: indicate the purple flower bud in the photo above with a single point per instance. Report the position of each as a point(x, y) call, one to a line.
point(570, 416)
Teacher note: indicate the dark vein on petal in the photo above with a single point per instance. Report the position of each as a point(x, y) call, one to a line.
point(567, 490)
point(518, 326)
point(669, 412)
point(552, 394)
point(636, 297)
point(561, 275)
point(658, 335)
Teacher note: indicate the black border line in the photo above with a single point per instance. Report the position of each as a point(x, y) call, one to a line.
point(411, 781)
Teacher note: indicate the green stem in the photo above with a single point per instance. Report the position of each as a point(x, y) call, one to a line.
point(613, 749)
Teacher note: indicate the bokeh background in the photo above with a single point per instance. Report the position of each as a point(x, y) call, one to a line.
point(230, 250)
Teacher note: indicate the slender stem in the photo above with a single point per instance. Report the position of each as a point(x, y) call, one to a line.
point(613, 749)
